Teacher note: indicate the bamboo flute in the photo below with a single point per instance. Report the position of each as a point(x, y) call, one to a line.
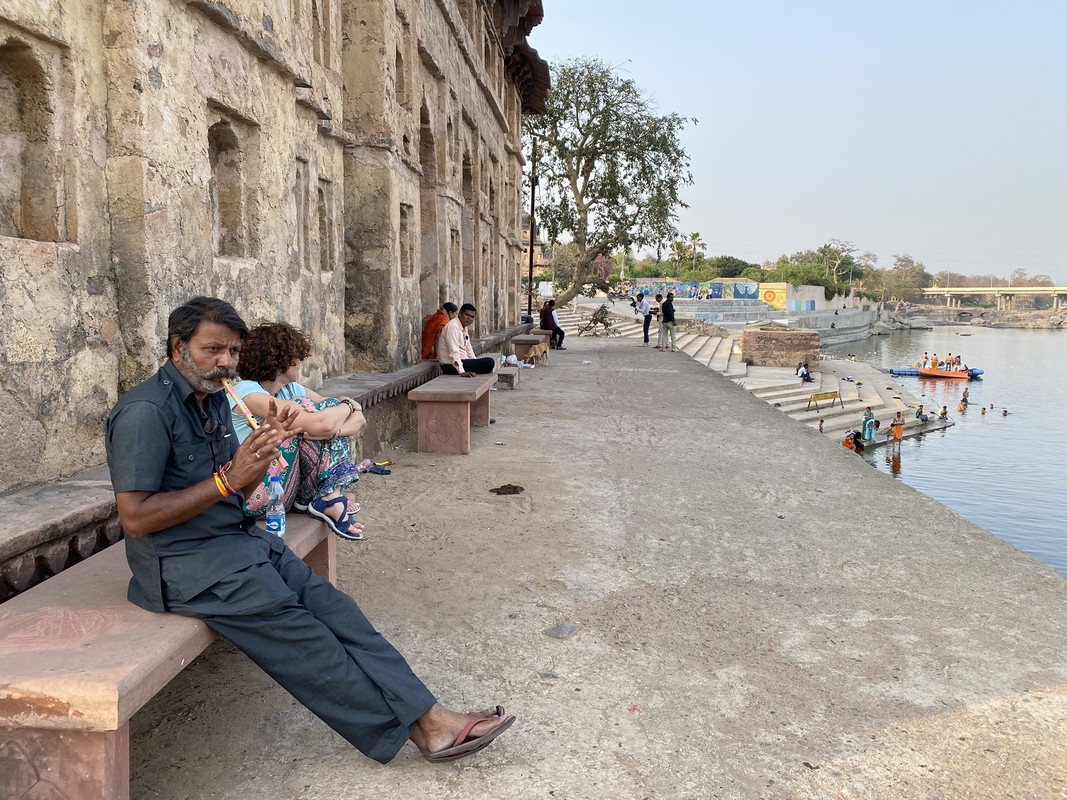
point(252, 423)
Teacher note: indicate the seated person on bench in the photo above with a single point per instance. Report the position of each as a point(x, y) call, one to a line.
point(179, 477)
point(454, 349)
point(318, 461)
point(550, 322)
point(432, 329)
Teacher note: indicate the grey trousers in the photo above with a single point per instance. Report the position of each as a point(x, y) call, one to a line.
point(315, 642)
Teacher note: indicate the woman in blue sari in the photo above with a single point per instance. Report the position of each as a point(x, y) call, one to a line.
point(868, 425)
point(319, 460)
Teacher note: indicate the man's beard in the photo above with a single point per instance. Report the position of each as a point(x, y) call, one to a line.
point(203, 382)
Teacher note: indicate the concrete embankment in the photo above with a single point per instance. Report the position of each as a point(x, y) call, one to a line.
point(757, 614)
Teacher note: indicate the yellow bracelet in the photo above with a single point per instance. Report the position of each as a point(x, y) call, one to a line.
point(222, 489)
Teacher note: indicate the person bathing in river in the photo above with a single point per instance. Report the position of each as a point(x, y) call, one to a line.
point(943, 413)
point(868, 424)
point(898, 428)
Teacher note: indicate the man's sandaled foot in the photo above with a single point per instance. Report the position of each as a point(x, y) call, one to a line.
point(467, 744)
point(489, 713)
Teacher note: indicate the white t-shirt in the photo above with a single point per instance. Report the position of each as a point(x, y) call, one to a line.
point(644, 308)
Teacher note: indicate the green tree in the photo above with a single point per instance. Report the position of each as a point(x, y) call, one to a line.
point(838, 258)
point(680, 260)
point(624, 263)
point(650, 267)
point(903, 282)
point(696, 247)
point(949, 279)
point(610, 168)
point(729, 266)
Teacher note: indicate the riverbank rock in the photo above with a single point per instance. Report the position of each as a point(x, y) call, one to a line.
point(919, 324)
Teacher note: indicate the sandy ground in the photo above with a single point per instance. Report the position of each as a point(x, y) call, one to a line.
point(757, 612)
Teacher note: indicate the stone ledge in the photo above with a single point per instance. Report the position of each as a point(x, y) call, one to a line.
point(371, 388)
point(46, 528)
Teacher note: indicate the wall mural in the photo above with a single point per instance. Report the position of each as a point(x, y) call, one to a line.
point(773, 294)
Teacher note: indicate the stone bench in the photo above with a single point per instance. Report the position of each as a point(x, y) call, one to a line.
point(78, 660)
point(523, 343)
point(546, 335)
point(507, 376)
point(447, 407)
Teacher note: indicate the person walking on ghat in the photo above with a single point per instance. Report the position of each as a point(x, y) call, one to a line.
point(179, 478)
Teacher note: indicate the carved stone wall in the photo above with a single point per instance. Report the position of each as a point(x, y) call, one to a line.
point(343, 165)
point(433, 179)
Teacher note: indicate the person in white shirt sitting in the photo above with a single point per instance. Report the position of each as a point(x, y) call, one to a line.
point(454, 349)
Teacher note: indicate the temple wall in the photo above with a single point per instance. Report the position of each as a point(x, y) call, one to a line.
point(342, 165)
point(59, 337)
point(433, 181)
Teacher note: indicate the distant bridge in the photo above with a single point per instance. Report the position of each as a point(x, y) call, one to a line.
point(1005, 294)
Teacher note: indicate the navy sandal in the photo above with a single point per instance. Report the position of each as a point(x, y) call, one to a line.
point(343, 526)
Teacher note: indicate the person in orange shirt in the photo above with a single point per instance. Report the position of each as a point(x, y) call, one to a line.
point(436, 321)
point(898, 429)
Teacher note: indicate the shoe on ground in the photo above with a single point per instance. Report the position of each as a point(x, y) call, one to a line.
point(492, 421)
point(658, 347)
point(561, 348)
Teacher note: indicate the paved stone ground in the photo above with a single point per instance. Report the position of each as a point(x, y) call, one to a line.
point(759, 614)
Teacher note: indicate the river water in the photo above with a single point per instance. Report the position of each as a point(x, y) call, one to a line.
point(1005, 473)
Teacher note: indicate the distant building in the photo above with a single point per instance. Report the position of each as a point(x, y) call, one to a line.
point(542, 260)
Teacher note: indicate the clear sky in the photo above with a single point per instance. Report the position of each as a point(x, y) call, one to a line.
point(936, 128)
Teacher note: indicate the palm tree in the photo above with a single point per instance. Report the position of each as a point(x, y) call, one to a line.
point(695, 246)
point(679, 255)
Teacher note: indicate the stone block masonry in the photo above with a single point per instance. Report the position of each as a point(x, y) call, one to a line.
point(342, 165)
point(780, 347)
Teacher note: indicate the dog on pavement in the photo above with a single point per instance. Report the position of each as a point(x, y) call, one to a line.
point(537, 354)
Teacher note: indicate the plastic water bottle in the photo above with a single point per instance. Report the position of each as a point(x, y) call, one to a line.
point(276, 509)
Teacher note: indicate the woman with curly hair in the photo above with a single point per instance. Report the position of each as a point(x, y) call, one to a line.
point(319, 460)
